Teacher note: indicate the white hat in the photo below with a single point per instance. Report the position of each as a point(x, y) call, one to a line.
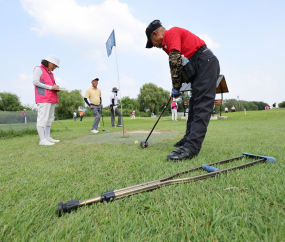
point(134, 111)
point(53, 59)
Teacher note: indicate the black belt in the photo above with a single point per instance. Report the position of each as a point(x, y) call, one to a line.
point(197, 53)
point(94, 104)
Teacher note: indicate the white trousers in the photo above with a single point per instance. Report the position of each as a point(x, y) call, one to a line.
point(45, 114)
point(174, 113)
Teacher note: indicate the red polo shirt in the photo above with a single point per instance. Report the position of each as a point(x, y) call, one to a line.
point(181, 40)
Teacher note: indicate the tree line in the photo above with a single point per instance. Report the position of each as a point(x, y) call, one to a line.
point(240, 105)
point(151, 99)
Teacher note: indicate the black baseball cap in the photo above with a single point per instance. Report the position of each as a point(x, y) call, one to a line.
point(155, 24)
point(96, 79)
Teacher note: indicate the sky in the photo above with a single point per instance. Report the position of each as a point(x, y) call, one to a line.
point(247, 36)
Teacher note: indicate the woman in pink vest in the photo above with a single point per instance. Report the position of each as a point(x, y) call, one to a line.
point(46, 97)
point(174, 107)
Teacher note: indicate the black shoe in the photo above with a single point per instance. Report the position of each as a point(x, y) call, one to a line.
point(182, 153)
point(179, 143)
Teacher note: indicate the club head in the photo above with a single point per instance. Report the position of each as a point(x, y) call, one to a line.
point(103, 129)
point(144, 144)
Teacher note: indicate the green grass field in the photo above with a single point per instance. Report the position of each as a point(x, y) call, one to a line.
point(17, 127)
point(244, 205)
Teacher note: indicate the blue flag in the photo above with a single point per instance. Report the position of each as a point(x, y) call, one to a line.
point(110, 43)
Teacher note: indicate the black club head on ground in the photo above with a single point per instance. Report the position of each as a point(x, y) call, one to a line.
point(144, 144)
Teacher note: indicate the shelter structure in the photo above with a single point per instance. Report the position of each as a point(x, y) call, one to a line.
point(186, 87)
point(221, 88)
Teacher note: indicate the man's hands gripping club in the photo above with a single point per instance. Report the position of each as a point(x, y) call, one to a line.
point(175, 93)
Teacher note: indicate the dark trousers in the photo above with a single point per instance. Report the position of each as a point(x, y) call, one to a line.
point(81, 117)
point(117, 111)
point(202, 100)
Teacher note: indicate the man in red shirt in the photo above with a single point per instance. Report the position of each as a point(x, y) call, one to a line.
point(190, 61)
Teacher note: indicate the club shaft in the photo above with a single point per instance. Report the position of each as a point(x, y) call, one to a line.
point(62, 124)
point(158, 119)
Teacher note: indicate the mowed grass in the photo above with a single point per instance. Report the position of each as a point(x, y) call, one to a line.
point(244, 205)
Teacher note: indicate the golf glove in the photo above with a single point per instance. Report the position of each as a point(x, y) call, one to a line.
point(175, 93)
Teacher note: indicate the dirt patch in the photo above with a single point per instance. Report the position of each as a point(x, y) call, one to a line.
point(148, 131)
point(129, 137)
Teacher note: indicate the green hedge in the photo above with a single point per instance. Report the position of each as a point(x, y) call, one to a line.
point(7, 117)
point(281, 105)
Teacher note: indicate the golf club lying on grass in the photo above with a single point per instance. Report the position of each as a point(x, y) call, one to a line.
point(145, 143)
point(61, 122)
point(124, 192)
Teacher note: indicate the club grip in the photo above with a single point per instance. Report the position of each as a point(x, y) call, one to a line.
point(268, 158)
point(209, 168)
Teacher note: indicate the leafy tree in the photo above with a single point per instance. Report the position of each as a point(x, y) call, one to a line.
point(68, 102)
point(152, 98)
point(249, 106)
point(281, 105)
point(129, 103)
point(233, 102)
point(260, 105)
point(10, 102)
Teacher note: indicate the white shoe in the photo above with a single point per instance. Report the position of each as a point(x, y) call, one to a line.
point(53, 140)
point(45, 142)
point(94, 131)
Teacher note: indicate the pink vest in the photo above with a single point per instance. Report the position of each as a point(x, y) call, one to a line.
point(46, 95)
point(173, 105)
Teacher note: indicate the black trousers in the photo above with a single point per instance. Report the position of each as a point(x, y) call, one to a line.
point(81, 117)
point(202, 100)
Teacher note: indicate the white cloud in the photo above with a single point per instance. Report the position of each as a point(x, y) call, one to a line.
point(88, 27)
point(208, 40)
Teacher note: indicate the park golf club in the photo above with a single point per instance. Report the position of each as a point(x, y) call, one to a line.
point(145, 143)
point(148, 186)
point(60, 122)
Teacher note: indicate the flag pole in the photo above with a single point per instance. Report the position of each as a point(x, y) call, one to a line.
point(120, 92)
